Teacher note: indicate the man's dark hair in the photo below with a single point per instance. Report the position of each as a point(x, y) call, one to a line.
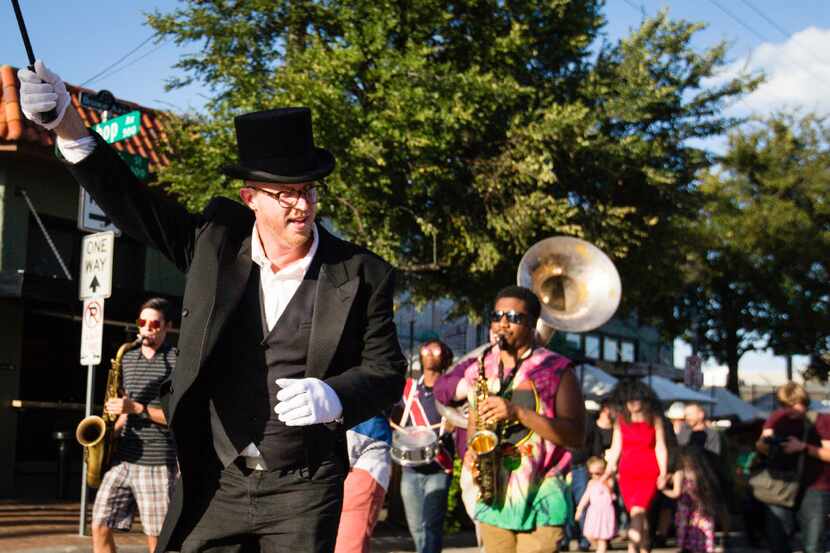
point(159, 304)
point(534, 308)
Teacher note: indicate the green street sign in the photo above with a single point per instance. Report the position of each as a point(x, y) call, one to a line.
point(139, 165)
point(120, 128)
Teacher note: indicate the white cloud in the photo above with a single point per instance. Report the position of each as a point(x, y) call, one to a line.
point(797, 74)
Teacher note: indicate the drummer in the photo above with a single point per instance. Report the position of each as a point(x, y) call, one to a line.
point(424, 488)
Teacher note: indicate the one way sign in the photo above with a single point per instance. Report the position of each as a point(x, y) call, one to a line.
point(96, 265)
point(91, 217)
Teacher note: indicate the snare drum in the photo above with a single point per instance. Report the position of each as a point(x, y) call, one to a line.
point(414, 446)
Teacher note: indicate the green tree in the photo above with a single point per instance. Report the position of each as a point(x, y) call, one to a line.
point(466, 131)
point(757, 275)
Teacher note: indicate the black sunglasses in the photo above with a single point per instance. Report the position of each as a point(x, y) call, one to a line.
point(513, 317)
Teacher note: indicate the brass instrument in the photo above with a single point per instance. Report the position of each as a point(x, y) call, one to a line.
point(577, 284)
point(485, 440)
point(97, 434)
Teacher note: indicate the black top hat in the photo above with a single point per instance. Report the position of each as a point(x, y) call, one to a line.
point(277, 145)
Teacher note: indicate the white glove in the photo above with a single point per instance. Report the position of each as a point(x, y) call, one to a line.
point(41, 91)
point(305, 401)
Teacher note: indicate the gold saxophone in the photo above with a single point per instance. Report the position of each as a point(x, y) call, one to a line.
point(485, 440)
point(97, 434)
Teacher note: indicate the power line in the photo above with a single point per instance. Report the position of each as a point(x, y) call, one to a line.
point(635, 7)
point(119, 60)
point(138, 59)
point(764, 38)
point(782, 30)
point(739, 21)
point(766, 18)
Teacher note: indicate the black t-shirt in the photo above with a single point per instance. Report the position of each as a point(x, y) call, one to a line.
point(597, 440)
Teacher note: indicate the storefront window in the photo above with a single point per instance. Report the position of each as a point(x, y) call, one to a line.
point(575, 340)
point(609, 352)
point(627, 351)
point(592, 346)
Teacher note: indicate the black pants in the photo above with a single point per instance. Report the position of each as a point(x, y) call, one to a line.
point(270, 511)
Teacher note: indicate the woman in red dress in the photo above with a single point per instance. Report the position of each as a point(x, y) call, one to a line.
point(639, 456)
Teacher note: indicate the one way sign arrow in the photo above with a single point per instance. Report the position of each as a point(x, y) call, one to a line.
point(94, 284)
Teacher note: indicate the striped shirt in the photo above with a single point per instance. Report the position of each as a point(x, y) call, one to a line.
point(142, 441)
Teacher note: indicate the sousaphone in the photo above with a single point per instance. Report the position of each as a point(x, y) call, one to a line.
point(577, 284)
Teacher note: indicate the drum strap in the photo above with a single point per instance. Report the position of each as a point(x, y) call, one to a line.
point(412, 406)
point(414, 409)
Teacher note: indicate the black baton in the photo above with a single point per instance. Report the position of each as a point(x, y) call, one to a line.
point(52, 114)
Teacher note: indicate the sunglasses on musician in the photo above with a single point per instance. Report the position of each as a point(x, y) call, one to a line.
point(513, 317)
point(152, 325)
point(435, 351)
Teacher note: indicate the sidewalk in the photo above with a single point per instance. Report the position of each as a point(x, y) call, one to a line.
point(53, 528)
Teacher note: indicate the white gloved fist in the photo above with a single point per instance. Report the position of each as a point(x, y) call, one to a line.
point(305, 401)
point(40, 91)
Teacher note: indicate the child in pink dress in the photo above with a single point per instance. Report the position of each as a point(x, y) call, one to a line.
point(600, 519)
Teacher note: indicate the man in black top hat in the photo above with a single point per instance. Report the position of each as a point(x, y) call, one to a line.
point(287, 336)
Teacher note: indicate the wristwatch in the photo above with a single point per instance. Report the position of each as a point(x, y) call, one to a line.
point(145, 414)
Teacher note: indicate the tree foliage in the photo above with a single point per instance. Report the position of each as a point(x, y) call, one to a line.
point(466, 131)
point(758, 271)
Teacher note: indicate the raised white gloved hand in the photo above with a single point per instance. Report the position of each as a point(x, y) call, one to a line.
point(304, 401)
point(40, 91)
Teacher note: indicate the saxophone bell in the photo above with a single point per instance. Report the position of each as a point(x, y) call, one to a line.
point(97, 434)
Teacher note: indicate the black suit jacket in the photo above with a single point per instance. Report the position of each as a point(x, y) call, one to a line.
point(353, 344)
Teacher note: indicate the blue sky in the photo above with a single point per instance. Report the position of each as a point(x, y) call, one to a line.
point(789, 41)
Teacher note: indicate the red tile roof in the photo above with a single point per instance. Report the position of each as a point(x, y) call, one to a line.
point(14, 127)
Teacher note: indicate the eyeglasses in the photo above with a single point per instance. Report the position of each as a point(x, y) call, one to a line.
point(152, 325)
point(290, 197)
point(513, 317)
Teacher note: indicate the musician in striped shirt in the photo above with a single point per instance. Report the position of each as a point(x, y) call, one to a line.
point(144, 466)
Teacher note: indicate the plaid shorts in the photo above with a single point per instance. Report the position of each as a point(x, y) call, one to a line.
point(127, 486)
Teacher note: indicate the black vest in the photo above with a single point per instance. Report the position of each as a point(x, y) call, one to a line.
point(245, 367)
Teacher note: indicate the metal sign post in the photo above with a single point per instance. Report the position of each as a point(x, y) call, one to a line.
point(90, 386)
point(95, 284)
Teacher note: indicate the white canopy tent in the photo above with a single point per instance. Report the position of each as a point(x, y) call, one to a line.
point(729, 406)
point(596, 383)
point(668, 391)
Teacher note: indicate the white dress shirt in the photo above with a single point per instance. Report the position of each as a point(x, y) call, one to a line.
point(277, 290)
point(279, 287)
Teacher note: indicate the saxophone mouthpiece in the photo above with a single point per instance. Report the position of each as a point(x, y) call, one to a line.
point(501, 340)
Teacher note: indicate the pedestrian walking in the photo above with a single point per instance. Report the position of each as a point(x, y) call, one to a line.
point(596, 508)
point(695, 487)
point(639, 456)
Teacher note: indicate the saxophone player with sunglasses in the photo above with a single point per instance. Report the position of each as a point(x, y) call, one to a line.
point(536, 405)
point(144, 465)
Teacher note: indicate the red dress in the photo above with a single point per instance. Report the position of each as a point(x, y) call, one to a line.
point(638, 470)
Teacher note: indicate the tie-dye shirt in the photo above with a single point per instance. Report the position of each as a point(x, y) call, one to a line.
point(533, 491)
